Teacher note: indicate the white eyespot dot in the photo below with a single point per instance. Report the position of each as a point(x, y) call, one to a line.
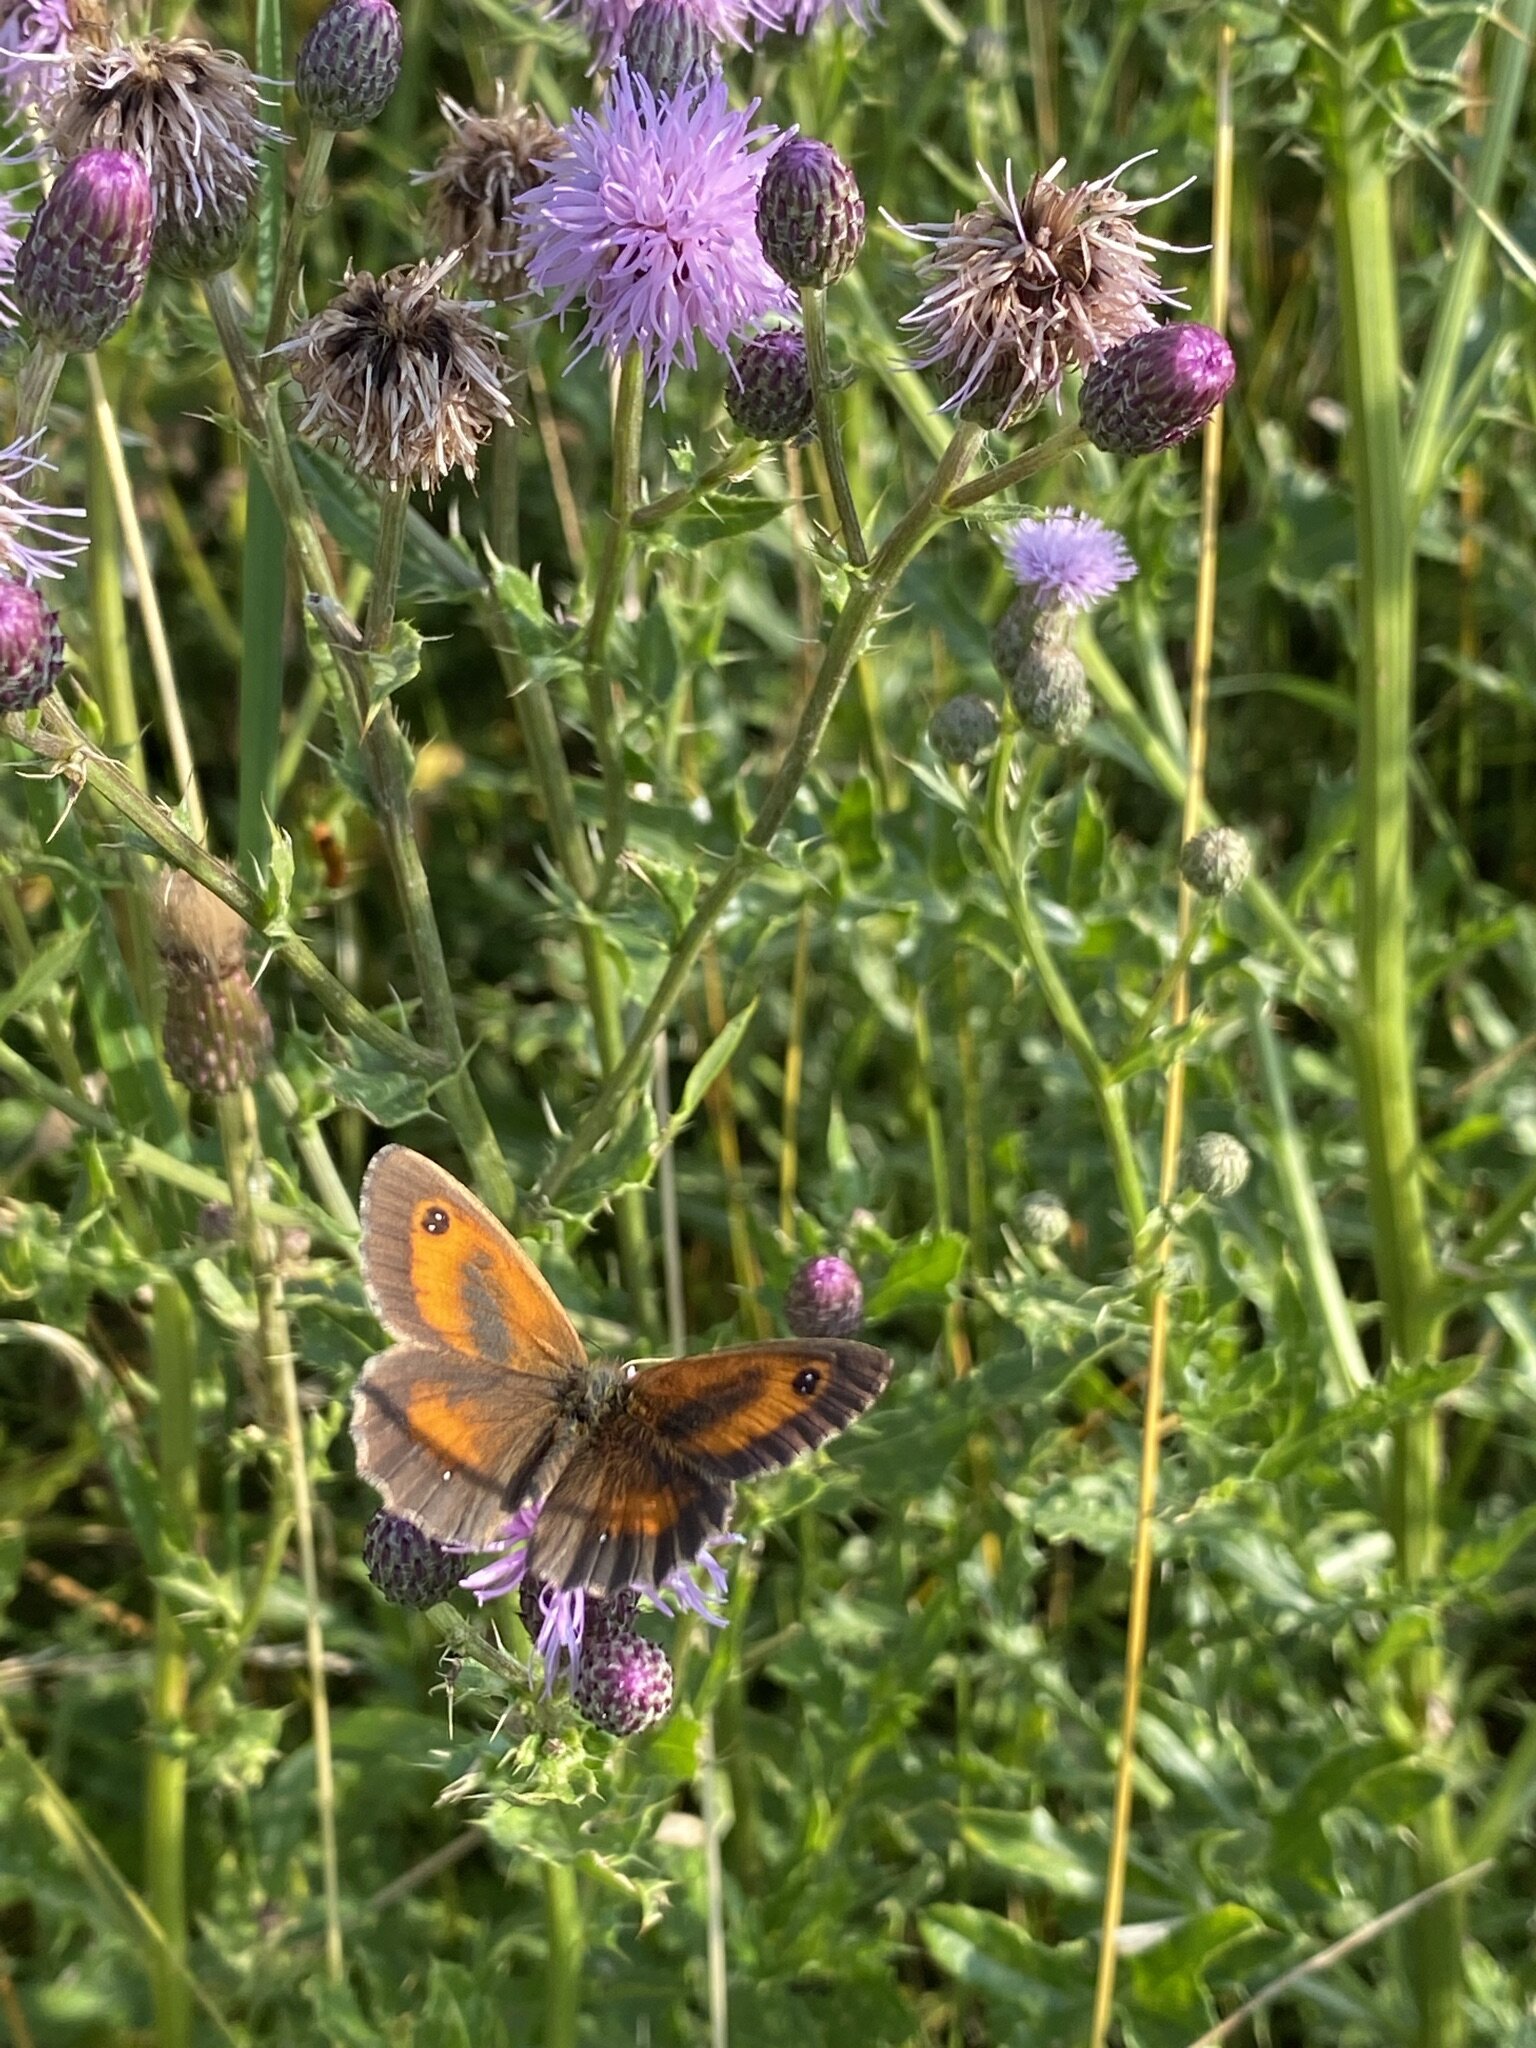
point(446, 1477)
point(602, 1536)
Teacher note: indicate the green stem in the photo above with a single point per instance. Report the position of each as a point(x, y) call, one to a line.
point(628, 421)
point(813, 314)
point(567, 1946)
point(1383, 1047)
point(35, 387)
point(1018, 471)
point(389, 550)
point(736, 463)
point(263, 606)
point(1173, 974)
point(855, 622)
point(306, 204)
point(245, 1164)
point(165, 1795)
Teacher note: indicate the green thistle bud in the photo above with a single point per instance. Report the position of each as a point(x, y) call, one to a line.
point(1216, 862)
point(770, 396)
point(82, 267)
point(1219, 1165)
point(624, 1684)
point(1044, 1219)
point(31, 647)
point(669, 46)
point(406, 1565)
point(1049, 691)
point(1024, 627)
point(217, 1033)
point(349, 63)
point(962, 730)
point(810, 214)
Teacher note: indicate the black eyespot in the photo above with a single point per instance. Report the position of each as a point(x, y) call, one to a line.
point(808, 1381)
point(435, 1222)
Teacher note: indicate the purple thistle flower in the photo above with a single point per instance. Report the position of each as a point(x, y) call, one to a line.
point(607, 22)
point(12, 229)
point(650, 216)
point(799, 17)
point(34, 51)
point(563, 1615)
point(32, 545)
point(31, 647)
point(1066, 558)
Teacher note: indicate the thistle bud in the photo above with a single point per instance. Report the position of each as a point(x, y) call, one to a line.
point(824, 1299)
point(406, 1565)
point(217, 1033)
point(1025, 626)
point(669, 46)
point(31, 647)
point(810, 214)
point(1156, 389)
point(82, 267)
point(962, 730)
point(1049, 691)
point(349, 63)
point(770, 396)
point(1219, 1165)
point(624, 1684)
point(1216, 861)
point(1044, 1219)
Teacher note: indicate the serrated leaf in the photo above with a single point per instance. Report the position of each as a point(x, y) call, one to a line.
point(51, 964)
point(922, 1271)
point(712, 1063)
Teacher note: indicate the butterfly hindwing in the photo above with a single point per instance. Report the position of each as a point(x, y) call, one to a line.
point(627, 1510)
point(759, 1406)
point(439, 1268)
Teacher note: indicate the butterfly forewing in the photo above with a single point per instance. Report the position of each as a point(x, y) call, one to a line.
point(439, 1267)
point(733, 1413)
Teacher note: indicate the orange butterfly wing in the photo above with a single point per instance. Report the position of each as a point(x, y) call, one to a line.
point(655, 1479)
point(454, 1423)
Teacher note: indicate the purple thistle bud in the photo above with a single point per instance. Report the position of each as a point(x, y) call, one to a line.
point(810, 213)
point(349, 63)
point(1049, 691)
point(31, 647)
point(1156, 389)
point(670, 45)
point(824, 1299)
point(1066, 558)
point(624, 1685)
point(82, 267)
point(406, 1565)
point(962, 730)
point(770, 396)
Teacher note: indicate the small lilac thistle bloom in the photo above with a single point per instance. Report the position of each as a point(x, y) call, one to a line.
point(1156, 389)
point(32, 544)
point(349, 64)
point(799, 17)
point(564, 1616)
point(82, 267)
point(31, 647)
point(824, 1299)
point(1066, 559)
point(649, 218)
point(607, 22)
point(624, 1685)
point(35, 36)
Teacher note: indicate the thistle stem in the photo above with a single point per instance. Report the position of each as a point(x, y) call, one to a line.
point(1018, 471)
point(567, 1946)
point(1173, 978)
point(306, 204)
point(736, 463)
point(813, 314)
point(394, 509)
point(628, 420)
point(35, 387)
point(245, 1164)
point(857, 619)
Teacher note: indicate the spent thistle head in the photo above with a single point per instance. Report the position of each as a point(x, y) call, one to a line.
point(490, 160)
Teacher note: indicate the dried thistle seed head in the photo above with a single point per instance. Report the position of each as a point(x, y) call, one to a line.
point(1219, 1165)
point(824, 1299)
point(191, 114)
point(349, 63)
point(82, 267)
point(406, 1565)
point(489, 161)
point(670, 45)
point(1049, 691)
point(964, 729)
point(31, 647)
point(405, 380)
point(217, 1035)
point(1216, 862)
point(1156, 389)
point(1044, 1219)
point(810, 213)
point(1027, 286)
point(769, 395)
point(624, 1684)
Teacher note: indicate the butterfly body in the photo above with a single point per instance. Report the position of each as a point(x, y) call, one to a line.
point(487, 1403)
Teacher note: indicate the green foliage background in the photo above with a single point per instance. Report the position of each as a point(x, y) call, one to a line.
point(904, 1742)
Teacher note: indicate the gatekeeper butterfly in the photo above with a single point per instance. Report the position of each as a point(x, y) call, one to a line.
point(486, 1401)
